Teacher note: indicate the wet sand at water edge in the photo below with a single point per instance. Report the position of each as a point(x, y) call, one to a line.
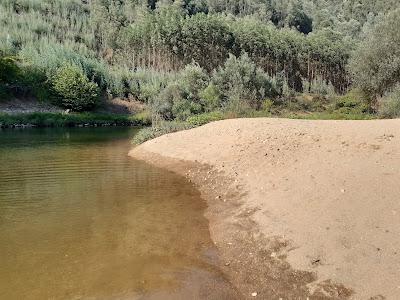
point(297, 209)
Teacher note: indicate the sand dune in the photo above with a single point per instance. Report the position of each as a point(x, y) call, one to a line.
point(297, 208)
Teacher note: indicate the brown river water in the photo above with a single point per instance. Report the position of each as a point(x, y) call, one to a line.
point(79, 219)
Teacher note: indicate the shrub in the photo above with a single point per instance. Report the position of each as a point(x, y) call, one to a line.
point(9, 70)
point(210, 97)
point(35, 83)
point(142, 84)
point(162, 105)
point(202, 119)
point(73, 89)
point(147, 92)
point(143, 118)
point(181, 99)
point(240, 80)
point(390, 104)
point(319, 86)
point(376, 62)
point(183, 108)
point(352, 102)
point(149, 133)
point(307, 102)
point(193, 79)
point(237, 107)
point(267, 105)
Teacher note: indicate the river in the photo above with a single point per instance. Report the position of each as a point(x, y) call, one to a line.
point(79, 219)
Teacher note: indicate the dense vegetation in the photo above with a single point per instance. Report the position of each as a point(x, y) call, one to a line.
point(188, 58)
point(72, 120)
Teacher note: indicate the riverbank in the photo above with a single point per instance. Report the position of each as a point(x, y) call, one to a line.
point(50, 119)
point(29, 112)
point(297, 208)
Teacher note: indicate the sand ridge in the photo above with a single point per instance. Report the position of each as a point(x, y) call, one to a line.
point(297, 208)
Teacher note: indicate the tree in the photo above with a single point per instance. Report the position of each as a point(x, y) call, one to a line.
point(375, 64)
point(205, 34)
point(193, 79)
point(195, 6)
point(298, 19)
point(9, 70)
point(73, 89)
point(240, 80)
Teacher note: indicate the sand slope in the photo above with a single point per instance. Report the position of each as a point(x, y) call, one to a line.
point(321, 197)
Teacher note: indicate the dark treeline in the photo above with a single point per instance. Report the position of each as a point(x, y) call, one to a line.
point(140, 49)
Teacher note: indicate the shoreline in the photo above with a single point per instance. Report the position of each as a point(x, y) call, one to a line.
point(244, 253)
point(52, 119)
point(315, 245)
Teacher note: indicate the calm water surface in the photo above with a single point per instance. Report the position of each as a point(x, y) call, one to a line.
point(79, 219)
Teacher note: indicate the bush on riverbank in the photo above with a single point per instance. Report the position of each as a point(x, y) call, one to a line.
point(73, 89)
point(71, 120)
point(348, 107)
point(389, 105)
point(199, 120)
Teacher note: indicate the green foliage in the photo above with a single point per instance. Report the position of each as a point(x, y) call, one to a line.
point(353, 102)
point(185, 57)
point(9, 70)
point(195, 6)
point(17, 79)
point(181, 99)
point(319, 86)
point(203, 34)
point(149, 133)
point(141, 119)
point(73, 89)
point(308, 102)
point(146, 84)
point(237, 107)
point(298, 19)
point(182, 109)
point(70, 120)
point(48, 57)
point(210, 97)
point(389, 105)
point(240, 80)
point(202, 119)
point(267, 105)
point(162, 105)
point(169, 40)
point(376, 63)
point(193, 79)
point(329, 115)
point(9, 76)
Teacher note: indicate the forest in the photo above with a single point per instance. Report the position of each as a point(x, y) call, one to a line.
point(185, 59)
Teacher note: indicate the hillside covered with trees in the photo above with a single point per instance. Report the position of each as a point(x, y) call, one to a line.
point(192, 57)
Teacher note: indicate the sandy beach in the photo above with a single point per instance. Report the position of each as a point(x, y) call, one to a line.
point(297, 209)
